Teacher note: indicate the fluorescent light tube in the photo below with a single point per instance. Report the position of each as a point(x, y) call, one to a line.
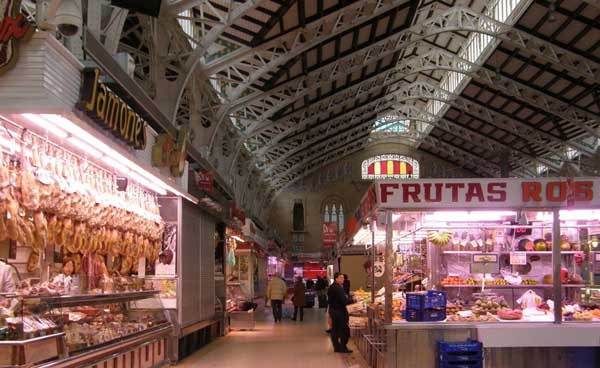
point(84, 147)
point(42, 123)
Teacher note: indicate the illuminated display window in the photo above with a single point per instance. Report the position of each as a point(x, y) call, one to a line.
point(390, 167)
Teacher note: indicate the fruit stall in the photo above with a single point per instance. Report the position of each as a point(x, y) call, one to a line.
point(512, 263)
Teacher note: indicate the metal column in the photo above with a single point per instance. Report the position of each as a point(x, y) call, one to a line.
point(388, 276)
point(373, 229)
point(556, 265)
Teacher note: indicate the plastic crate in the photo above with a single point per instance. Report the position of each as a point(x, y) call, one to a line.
point(461, 357)
point(462, 365)
point(415, 300)
point(413, 315)
point(435, 299)
point(460, 347)
point(434, 315)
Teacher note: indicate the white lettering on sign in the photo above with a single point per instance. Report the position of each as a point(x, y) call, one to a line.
point(496, 193)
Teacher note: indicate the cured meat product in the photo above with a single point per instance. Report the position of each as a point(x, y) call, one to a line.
point(4, 173)
point(53, 229)
point(3, 229)
point(27, 229)
point(12, 215)
point(41, 229)
point(67, 232)
point(30, 193)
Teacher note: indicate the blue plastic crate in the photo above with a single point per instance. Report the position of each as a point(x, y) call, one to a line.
point(435, 299)
point(413, 315)
point(461, 365)
point(461, 357)
point(434, 315)
point(415, 300)
point(460, 347)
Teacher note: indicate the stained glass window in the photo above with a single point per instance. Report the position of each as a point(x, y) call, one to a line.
point(390, 166)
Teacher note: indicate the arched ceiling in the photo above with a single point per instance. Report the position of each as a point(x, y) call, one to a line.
point(284, 87)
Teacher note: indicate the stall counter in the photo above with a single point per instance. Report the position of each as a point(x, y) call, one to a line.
point(517, 334)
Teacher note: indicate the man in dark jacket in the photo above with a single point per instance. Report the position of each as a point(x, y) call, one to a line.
point(321, 288)
point(338, 300)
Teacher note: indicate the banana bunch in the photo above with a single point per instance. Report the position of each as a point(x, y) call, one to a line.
point(439, 237)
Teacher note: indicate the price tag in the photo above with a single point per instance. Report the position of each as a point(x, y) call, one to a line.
point(485, 263)
point(518, 258)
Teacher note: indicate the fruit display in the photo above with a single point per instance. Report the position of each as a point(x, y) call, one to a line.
point(525, 245)
point(497, 282)
point(583, 316)
point(471, 281)
point(539, 245)
point(596, 313)
point(483, 307)
point(452, 308)
point(510, 314)
point(452, 280)
point(361, 295)
point(529, 282)
point(439, 237)
point(472, 318)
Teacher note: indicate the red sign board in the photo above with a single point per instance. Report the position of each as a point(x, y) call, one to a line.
point(204, 179)
point(14, 27)
point(368, 203)
point(329, 234)
point(488, 193)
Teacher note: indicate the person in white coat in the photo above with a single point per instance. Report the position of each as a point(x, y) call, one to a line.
point(7, 285)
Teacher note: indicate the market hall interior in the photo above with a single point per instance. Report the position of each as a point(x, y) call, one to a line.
point(420, 177)
point(289, 344)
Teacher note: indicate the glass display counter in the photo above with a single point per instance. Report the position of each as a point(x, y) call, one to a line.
point(77, 330)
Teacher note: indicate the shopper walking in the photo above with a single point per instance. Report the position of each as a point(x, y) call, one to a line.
point(299, 298)
point(276, 291)
point(310, 284)
point(338, 300)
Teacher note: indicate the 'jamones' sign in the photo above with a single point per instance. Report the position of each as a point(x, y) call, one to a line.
point(110, 111)
point(489, 193)
point(14, 28)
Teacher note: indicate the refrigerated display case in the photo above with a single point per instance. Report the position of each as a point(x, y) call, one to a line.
point(82, 330)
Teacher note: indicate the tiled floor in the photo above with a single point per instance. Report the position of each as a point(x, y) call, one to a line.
point(289, 344)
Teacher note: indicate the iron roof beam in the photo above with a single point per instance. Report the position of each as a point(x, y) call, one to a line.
point(422, 90)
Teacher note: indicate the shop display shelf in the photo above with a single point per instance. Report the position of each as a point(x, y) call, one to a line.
point(89, 299)
point(544, 286)
point(548, 252)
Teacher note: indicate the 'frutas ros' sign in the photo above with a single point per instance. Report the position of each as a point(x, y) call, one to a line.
point(14, 27)
point(110, 111)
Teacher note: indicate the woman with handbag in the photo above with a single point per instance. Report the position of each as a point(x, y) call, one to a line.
point(299, 298)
